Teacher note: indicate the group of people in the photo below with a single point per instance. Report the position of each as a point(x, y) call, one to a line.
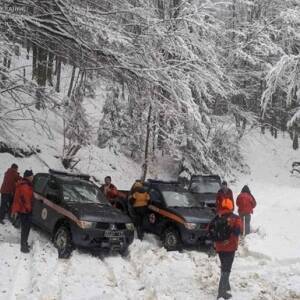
point(230, 228)
point(138, 197)
point(16, 198)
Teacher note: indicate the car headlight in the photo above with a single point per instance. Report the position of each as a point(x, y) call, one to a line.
point(130, 226)
point(86, 224)
point(190, 226)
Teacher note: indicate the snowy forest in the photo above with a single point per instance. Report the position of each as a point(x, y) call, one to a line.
point(182, 78)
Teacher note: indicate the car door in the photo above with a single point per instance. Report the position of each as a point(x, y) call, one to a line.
point(51, 209)
point(154, 220)
point(39, 186)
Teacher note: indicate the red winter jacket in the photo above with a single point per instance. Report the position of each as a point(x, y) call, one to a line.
point(23, 197)
point(221, 196)
point(245, 203)
point(231, 245)
point(110, 191)
point(9, 182)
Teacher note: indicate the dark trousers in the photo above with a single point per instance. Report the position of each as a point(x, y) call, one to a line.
point(226, 259)
point(25, 229)
point(140, 213)
point(246, 219)
point(6, 202)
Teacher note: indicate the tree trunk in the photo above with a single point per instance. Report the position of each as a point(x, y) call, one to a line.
point(295, 140)
point(34, 60)
point(146, 158)
point(50, 68)
point(41, 77)
point(71, 82)
point(58, 74)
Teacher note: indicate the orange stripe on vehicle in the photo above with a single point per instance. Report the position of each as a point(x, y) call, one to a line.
point(58, 208)
point(167, 214)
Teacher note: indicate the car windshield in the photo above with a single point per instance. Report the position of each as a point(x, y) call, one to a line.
point(205, 185)
point(82, 192)
point(180, 199)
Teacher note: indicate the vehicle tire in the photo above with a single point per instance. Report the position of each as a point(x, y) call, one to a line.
point(171, 239)
point(63, 241)
point(124, 252)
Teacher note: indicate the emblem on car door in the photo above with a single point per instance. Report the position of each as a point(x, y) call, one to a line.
point(44, 214)
point(152, 218)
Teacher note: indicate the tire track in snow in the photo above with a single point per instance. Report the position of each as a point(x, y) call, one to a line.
point(48, 272)
point(127, 278)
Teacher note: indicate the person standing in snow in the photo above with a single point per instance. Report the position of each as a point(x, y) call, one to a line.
point(246, 203)
point(225, 229)
point(8, 188)
point(139, 198)
point(223, 193)
point(22, 205)
point(108, 189)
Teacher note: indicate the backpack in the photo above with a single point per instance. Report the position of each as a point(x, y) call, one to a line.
point(219, 229)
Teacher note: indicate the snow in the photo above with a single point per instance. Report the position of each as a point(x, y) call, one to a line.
point(267, 265)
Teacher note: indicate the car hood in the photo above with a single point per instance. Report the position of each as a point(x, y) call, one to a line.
point(208, 198)
point(95, 212)
point(194, 214)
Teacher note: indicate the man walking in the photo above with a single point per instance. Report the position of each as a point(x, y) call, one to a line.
point(23, 206)
point(8, 188)
point(246, 203)
point(225, 230)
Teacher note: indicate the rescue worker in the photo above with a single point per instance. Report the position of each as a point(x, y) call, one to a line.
point(8, 188)
point(22, 205)
point(223, 193)
point(226, 248)
point(245, 203)
point(139, 198)
point(108, 189)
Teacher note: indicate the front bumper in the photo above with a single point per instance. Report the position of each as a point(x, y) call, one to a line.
point(97, 239)
point(193, 237)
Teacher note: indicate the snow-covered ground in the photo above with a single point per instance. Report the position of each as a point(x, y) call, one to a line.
point(267, 265)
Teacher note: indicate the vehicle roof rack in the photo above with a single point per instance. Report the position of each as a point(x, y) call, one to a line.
point(206, 175)
point(156, 181)
point(62, 173)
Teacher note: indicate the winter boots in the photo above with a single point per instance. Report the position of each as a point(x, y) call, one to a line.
point(224, 286)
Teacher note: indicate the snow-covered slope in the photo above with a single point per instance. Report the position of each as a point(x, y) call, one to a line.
point(267, 265)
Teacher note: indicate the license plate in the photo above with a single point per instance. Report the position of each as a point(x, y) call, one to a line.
point(112, 234)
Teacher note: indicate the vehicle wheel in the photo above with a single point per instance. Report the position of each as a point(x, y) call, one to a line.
point(124, 252)
point(171, 239)
point(63, 242)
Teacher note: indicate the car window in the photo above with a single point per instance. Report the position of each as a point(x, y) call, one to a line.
point(82, 192)
point(155, 196)
point(39, 183)
point(53, 189)
point(180, 199)
point(205, 185)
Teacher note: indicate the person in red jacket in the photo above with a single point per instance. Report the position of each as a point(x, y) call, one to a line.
point(223, 193)
point(226, 248)
point(8, 188)
point(22, 205)
point(246, 203)
point(108, 189)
